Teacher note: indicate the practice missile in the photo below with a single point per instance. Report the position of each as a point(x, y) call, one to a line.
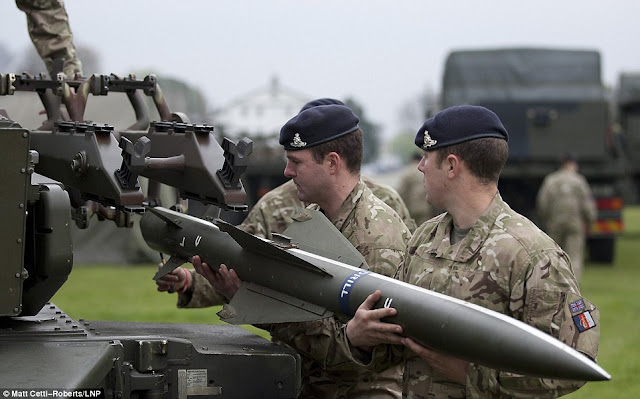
point(295, 279)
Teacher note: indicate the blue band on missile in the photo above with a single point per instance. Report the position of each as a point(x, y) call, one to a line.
point(347, 286)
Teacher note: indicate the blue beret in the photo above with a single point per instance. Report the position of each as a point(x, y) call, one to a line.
point(318, 125)
point(320, 101)
point(458, 124)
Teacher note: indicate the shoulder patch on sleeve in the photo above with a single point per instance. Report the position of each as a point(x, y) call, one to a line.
point(584, 321)
point(577, 306)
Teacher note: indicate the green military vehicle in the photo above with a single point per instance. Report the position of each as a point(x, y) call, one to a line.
point(627, 130)
point(68, 170)
point(551, 101)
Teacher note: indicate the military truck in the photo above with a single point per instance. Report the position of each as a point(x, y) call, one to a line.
point(68, 170)
point(551, 101)
point(627, 129)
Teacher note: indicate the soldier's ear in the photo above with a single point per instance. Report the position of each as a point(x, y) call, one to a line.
point(334, 161)
point(452, 163)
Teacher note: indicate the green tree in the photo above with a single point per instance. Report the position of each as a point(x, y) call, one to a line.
point(402, 145)
point(411, 115)
point(370, 129)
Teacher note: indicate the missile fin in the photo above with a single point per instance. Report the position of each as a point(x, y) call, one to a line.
point(312, 232)
point(255, 304)
point(173, 263)
point(163, 216)
point(263, 247)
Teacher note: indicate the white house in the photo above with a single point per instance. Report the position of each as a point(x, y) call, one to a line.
point(261, 112)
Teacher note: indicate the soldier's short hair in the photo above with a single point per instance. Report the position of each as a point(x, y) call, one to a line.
point(484, 157)
point(349, 147)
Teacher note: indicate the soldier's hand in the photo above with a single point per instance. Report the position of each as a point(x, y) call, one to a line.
point(225, 281)
point(449, 366)
point(366, 330)
point(178, 280)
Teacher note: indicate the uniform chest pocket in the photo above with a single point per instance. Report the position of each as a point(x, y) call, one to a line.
point(485, 288)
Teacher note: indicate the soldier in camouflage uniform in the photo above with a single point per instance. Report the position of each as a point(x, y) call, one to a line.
point(483, 252)
point(411, 190)
point(567, 209)
point(324, 151)
point(272, 213)
point(50, 33)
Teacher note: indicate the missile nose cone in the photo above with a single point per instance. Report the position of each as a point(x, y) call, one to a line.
point(605, 376)
point(597, 373)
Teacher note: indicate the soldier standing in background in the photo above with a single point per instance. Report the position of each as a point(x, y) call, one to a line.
point(51, 35)
point(567, 209)
point(411, 190)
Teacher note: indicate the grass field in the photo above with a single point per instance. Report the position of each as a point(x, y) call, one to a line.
point(128, 293)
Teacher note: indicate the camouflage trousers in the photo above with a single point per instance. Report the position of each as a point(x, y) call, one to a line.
point(572, 241)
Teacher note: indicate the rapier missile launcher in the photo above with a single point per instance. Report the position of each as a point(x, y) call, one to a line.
point(55, 174)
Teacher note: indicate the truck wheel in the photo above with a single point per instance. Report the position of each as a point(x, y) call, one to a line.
point(601, 250)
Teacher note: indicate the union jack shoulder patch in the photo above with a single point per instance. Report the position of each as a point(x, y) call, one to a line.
point(577, 306)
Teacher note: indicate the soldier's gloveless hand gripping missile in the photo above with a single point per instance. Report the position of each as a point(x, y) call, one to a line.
point(315, 273)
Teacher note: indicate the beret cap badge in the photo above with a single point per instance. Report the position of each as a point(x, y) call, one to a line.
point(428, 141)
point(297, 141)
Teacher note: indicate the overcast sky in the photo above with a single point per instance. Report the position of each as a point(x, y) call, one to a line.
point(381, 53)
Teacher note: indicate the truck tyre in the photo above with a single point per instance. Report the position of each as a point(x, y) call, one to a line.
point(601, 250)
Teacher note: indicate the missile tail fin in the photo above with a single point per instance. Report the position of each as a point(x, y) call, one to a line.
point(263, 247)
point(164, 216)
point(255, 304)
point(173, 263)
point(312, 232)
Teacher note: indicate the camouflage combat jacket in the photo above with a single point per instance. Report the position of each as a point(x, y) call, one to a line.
point(50, 33)
point(506, 264)
point(272, 213)
point(377, 232)
point(391, 197)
